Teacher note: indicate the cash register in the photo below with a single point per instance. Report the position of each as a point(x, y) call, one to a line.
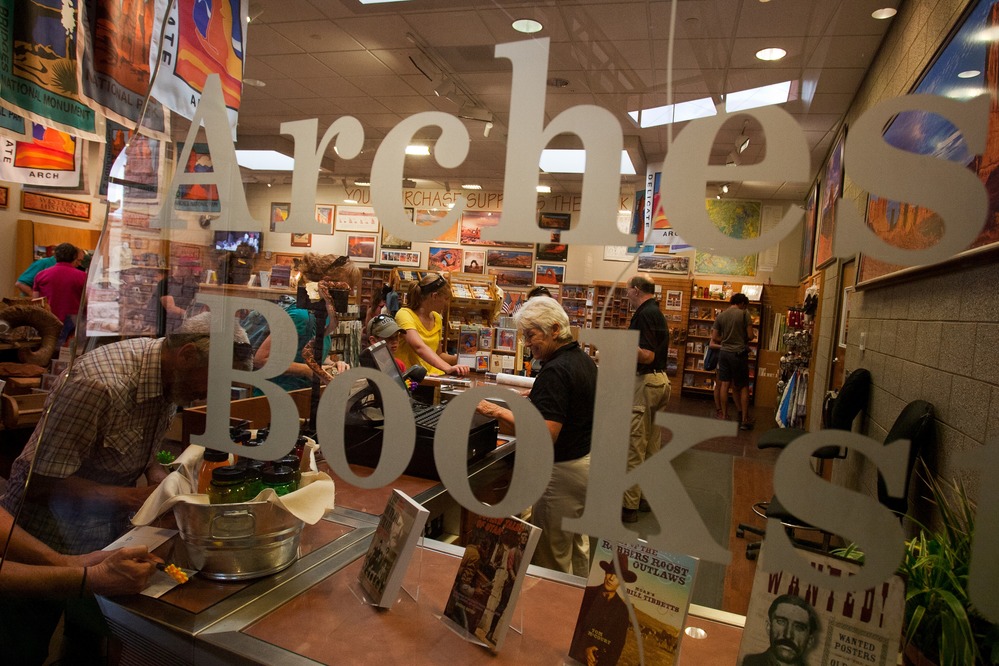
point(365, 420)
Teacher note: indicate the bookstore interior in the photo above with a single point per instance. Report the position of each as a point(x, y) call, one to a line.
point(803, 188)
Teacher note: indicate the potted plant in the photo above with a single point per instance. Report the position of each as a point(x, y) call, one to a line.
point(941, 625)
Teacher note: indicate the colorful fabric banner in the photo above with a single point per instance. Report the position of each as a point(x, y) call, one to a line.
point(115, 40)
point(202, 37)
point(38, 66)
point(46, 157)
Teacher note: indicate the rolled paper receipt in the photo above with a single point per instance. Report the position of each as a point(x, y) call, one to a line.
point(515, 380)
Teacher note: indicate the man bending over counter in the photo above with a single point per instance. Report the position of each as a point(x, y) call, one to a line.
point(104, 426)
point(564, 392)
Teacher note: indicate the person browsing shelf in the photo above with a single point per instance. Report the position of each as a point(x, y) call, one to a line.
point(423, 325)
point(733, 330)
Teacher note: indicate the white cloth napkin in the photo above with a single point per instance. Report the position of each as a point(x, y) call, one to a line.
point(309, 503)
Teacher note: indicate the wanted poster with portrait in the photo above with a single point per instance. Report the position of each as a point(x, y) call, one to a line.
point(798, 623)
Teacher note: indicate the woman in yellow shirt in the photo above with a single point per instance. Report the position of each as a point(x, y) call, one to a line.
point(423, 325)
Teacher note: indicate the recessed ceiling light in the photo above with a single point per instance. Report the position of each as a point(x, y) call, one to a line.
point(527, 26)
point(414, 149)
point(350, 201)
point(362, 183)
point(884, 13)
point(256, 83)
point(379, 2)
point(544, 189)
point(471, 186)
point(771, 54)
point(968, 74)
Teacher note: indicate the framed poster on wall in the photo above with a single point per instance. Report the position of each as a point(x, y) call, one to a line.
point(830, 190)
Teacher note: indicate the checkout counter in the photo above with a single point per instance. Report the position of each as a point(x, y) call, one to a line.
point(308, 614)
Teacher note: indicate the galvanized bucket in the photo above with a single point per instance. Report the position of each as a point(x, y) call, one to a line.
point(238, 541)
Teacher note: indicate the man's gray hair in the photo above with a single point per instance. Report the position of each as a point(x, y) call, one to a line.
point(198, 330)
point(543, 312)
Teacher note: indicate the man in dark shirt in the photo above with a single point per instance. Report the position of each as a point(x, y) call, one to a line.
point(652, 387)
point(733, 329)
point(564, 392)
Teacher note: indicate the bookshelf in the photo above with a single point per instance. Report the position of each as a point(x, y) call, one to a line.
point(707, 300)
point(474, 303)
point(370, 287)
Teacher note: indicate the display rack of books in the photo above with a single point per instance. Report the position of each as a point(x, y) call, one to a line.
point(405, 278)
point(372, 279)
point(707, 301)
point(672, 294)
point(575, 299)
point(475, 302)
point(615, 297)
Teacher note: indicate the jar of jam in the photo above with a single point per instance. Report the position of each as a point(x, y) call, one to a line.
point(254, 477)
point(228, 485)
point(212, 459)
point(294, 463)
point(281, 479)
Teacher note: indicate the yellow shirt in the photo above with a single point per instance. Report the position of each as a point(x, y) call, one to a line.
point(407, 319)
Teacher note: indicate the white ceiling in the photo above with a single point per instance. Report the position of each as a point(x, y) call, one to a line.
point(330, 58)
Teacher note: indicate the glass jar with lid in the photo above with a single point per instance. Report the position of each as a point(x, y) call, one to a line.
point(281, 479)
point(211, 460)
point(228, 485)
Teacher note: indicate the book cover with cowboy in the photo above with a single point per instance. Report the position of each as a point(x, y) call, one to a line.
point(633, 613)
point(492, 571)
point(391, 549)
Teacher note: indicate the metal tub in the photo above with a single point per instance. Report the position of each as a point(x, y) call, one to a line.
point(238, 541)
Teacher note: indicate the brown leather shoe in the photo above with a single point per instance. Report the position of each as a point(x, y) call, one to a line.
point(629, 515)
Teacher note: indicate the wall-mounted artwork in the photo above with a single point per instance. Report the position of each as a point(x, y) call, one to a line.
point(509, 258)
point(356, 218)
point(664, 263)
point(738, 219)
point(509, 277)
point(554, 221)
point(475, 221)
point(279, 213)
point(473, 261)
point(444, 259)
point(390, 241)
point(362, 247)
point(830, 190)
point(549, 274)
point(324, 214)
point(425, 216)
point(910, 226)
point(554, 251)
point(399, 257)
point(808, 233)
point(301, 240)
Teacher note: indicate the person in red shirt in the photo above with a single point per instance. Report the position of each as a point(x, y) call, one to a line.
point(63, 285)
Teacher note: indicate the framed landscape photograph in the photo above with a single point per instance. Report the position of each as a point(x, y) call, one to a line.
point(425, 216)
point(549, 274)
point(556, 221)
point(356, 218)
point(4, 195)
point(362, 247)
point(301, 240)
point(474, 222)
point(388, 240)
point(554, 251)
point(399, 257)
point(473, 261)
point(444, 259)
point(508, 277)
point(509, 258)
point(664, 263)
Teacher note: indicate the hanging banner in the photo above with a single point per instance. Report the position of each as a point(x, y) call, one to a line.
point(46, 157)
point(38, 76)
point(142, 168)
point(115, 40)
point(200, 39)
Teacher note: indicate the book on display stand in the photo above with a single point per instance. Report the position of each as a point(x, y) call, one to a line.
point(645, 589)
point(391, 550)
point(489, 580)
point(824, 626)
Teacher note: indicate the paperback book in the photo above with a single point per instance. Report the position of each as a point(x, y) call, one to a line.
point(829, 628)
point(640, 612)
point(492, 571)
point(391, 549)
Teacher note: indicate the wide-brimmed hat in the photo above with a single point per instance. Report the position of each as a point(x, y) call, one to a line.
point(383, 326)
point(629, 575)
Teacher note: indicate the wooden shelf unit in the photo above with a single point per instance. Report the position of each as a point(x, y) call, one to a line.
point(702, 312)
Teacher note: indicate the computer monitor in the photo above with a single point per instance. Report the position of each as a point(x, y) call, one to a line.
point(379, 357)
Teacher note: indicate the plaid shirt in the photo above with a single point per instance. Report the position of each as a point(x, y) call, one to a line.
point(105, 424)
